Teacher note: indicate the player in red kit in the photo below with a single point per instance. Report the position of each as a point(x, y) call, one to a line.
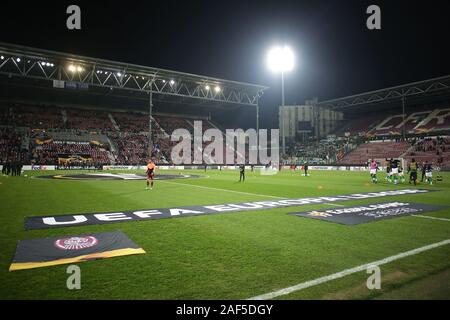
point(150, 174)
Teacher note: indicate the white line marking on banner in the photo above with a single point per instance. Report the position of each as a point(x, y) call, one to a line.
point(347, 272)
point(429, 217)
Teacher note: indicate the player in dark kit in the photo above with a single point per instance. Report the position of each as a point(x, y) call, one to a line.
point(242, 173)
point(150, 174)
point(412, 169)
point(395, 163)
point(388, 170)
point(424, 167)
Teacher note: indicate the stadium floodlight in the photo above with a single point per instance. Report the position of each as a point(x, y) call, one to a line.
point(217, 89)
point(2, 57)
point(72, 68)
point(207, 87)
point(18, 60)
point(281, 59)
point(164, 81)
point(172, 82)
point(119, 74)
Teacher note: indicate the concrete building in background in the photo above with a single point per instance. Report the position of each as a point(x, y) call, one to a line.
point(301, 122)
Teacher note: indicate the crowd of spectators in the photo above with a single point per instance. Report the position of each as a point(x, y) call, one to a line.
point(51, 153)
point(36, 117)
point(127, 131)
point(89, 120)
point(11, 145)
point(132, 149)
point(438, 145)
point(132, 122)
point(435, 150)
point(326, 151)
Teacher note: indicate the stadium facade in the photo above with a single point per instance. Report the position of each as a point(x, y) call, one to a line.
point(406, 121)
point(68, 110)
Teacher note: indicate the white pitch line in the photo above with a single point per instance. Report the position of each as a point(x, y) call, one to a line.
point(226, 190)
point(347, 272)
point(240, 192)
point(428, 217)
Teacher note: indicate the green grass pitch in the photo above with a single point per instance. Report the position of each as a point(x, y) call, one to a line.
point(231, 255)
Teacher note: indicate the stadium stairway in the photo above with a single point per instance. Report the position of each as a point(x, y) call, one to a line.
point(113, 121)
point(160, 128)
point(226, 145)
point(113, 150)
point(64, 115)
point(210, 160)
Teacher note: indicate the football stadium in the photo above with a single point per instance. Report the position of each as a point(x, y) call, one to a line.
point(128, 181)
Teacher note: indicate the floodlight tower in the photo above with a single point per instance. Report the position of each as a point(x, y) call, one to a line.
point(281, 59)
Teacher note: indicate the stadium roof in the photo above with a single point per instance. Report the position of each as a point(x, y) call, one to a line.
point(41, 67)
point(427, 91)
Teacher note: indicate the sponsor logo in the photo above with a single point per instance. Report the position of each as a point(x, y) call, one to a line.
point(76, 243)
point(369, 213)
point(121, 167)
point(38, 167)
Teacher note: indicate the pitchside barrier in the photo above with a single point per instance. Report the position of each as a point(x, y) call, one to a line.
point(199, 167)
point(216, 167)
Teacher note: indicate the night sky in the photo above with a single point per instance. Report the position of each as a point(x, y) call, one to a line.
point(336, 54)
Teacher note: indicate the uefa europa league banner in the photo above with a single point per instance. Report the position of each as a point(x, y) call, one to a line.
point(84, 219)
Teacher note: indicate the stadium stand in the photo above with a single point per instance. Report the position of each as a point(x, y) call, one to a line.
point(33, 117)
point(169, 124)
point(132, 149)
point(428, 121)
point(89, 120)
point(40, 133)
point(326, 151)
point(51, 153)
point(11, 145)
point(375, 150)
point(62, 130)
point(131, 122)
point(359, 126)
point(433, 150)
